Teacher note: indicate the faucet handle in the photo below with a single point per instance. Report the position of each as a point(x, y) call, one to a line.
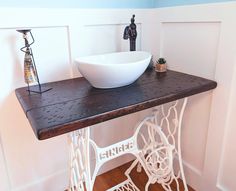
point(126, 33)
point(132, 19)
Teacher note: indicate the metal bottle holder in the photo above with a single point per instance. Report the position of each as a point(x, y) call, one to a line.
point(30, 70)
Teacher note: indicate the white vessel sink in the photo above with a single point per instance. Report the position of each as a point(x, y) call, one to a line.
point(115, 69)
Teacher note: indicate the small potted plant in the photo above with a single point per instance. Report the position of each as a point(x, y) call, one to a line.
point(161, 65)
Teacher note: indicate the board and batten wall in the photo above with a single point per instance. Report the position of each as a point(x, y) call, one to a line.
point(200, 40)
point(197, 39)
point(61, 35)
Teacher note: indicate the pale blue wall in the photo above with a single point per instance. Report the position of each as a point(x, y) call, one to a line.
point(79, 3)
point(171, 3)
point(102, 3)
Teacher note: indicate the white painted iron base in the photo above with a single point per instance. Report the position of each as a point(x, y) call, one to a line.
point(153, 144)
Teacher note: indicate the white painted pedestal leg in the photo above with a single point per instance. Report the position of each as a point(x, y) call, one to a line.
point(79, 160)
point(153, 144)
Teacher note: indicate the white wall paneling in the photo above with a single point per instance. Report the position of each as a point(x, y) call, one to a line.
point(25, 156)
point(226, 178)
point(191, 47)
point(60, 37)
point(107, 38)
point(4, 183)
point(200, 40)
point(197, 39)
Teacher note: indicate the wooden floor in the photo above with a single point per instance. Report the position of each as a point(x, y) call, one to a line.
point(116, 176)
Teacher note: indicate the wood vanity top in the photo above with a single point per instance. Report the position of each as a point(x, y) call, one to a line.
point(74, 104)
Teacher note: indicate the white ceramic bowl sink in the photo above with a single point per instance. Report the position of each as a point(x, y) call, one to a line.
point(115, 69)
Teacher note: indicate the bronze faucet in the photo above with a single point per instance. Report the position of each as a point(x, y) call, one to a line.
point(130, 33)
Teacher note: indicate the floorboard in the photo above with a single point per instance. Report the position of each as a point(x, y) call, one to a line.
point(116, 176)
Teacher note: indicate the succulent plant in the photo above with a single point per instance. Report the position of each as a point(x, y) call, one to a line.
point(161, 61)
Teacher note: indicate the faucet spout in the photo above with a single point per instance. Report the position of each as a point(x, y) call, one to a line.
point(130, 33)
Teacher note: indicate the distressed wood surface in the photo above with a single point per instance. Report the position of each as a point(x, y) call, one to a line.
point(73, 104)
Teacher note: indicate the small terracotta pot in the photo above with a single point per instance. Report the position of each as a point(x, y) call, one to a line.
point(160, 68)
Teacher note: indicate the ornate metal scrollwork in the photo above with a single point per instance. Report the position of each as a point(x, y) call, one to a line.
point(155, 144)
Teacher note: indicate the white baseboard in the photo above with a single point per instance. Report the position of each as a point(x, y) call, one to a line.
point(59, 180)
point(56, 181)
point(192, 175)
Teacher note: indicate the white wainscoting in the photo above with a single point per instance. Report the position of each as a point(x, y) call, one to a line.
point(197, 39)
point(226, 175)
point(191, 47)
point(200, 40)
point(4, 183)
point(60, 37)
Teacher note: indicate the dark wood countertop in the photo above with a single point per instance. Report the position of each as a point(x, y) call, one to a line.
point(74, 104)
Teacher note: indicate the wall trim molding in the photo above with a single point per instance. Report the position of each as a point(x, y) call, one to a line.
point(42, 182)
point(4, 174)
